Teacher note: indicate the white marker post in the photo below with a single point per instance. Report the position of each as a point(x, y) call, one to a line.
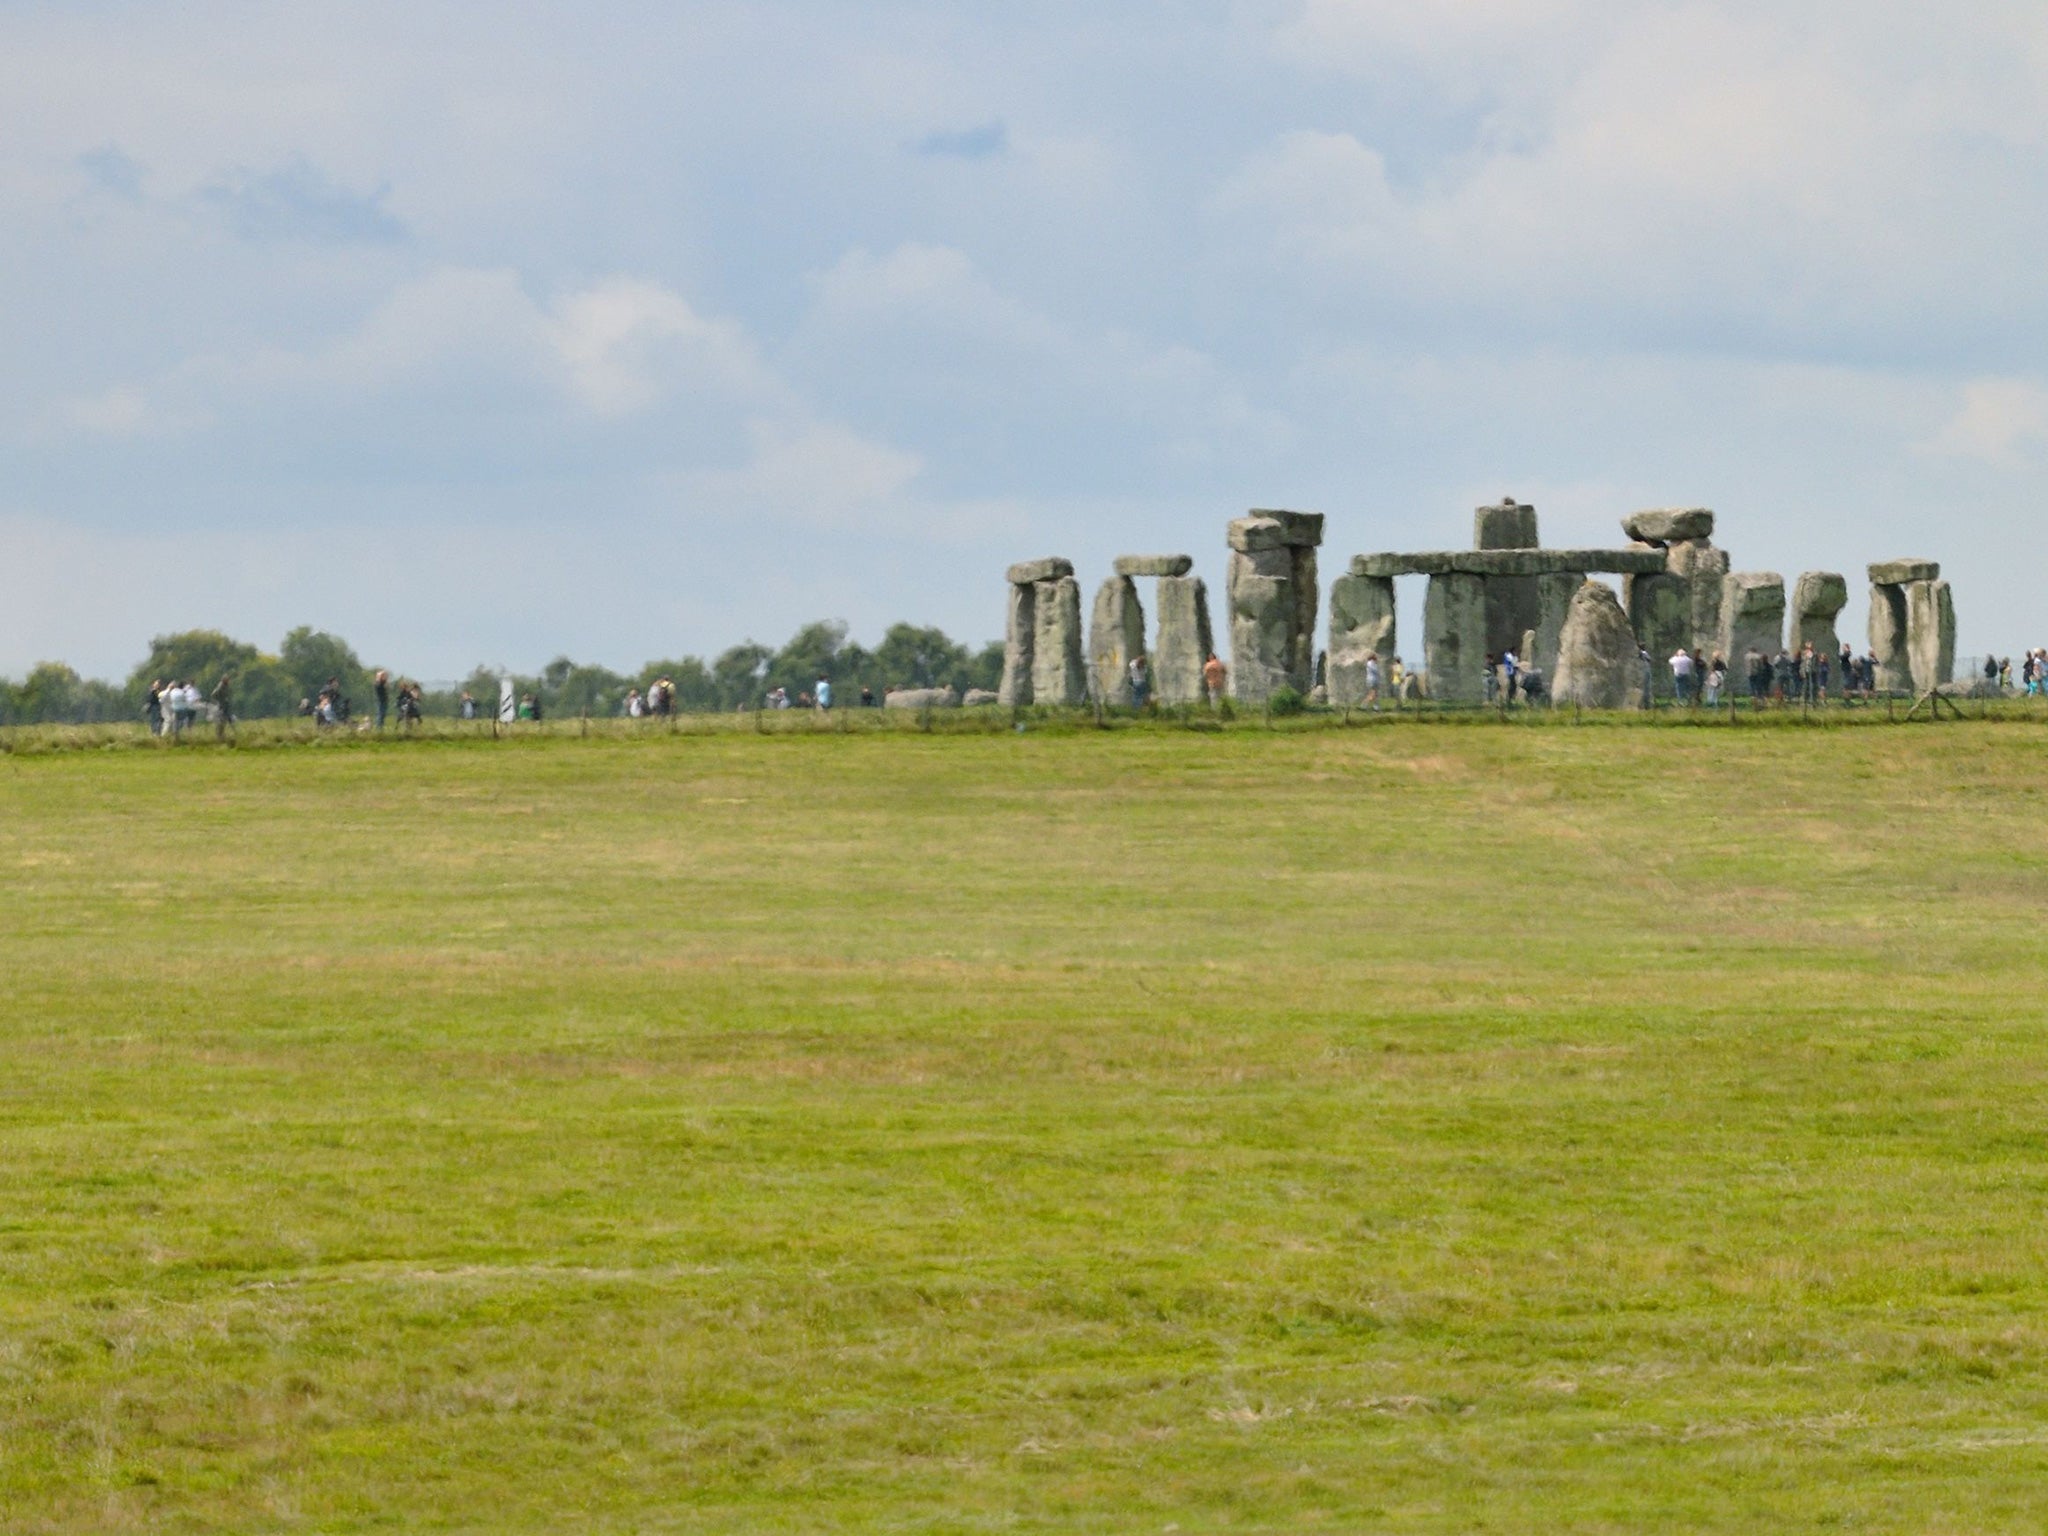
point(508, 707)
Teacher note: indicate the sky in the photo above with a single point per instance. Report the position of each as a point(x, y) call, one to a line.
point(629, 331)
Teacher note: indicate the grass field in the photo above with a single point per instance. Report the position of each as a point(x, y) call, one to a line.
point(1421, 1128)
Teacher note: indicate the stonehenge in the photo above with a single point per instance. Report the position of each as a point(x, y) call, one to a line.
point(1506, 593)
point(1912, 625)
point(1272, 598)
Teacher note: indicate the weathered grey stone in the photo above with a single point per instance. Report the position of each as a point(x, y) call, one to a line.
point(1554, 594)
point(1669, 525)
point(1509, 524)
point(1272, 597)
point(1116, 633)
point(1896, 573)
point(1028, 571)
point(974, 698)
point(1301, 529)
point(1599, 664)
point(1454, 638)
point(1058, 674)
point(1154, 565)
point(1888, 637)
point(1817, 597)
point(1512, 562)
point(1435, 564)
point(921, 698)
point(1185, 643)
point(1752, 616)
point(1361, 624)
point(1660, 613)
point(1020, 644)
point(1930, 633)
point(1702, 568)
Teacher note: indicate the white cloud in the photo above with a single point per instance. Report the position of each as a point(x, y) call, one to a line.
point(1997, 422)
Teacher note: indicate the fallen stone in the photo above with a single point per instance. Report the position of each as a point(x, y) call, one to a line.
point(1454, 638)
point(1059, 675)
point(1510, 524)
point(1039, 570)
point(1154, 565)
point(921, 698)
point(1887, 633)
point(1752, 616)
point(1185, 643)
point(1020, 644)
point(1361, 628)
point(1896, 573)
point(1669, 525)
point(974, 698)
point(1116, 633)
point(1599, 664)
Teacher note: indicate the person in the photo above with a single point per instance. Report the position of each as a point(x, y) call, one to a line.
point(823, 693)
point(1717, 679)
point(1808, 670)
point(1820, 661)
point(2005, 674)
point(1681, 675)
point(535, 696)
point(153, 707)
point(1141, 680)
point(468, 705)
point(867, 696)
point(1532, 683)
point(1649, 668)
point(1492, 678)
point(1847, 670)
point(1372, 679)
point(1214, 673)
point(1782, 675)
point(1397, 676)
point(1509, 667)
point(635, 707)
point(382, 687)
point(224, 702)
point(408, 706)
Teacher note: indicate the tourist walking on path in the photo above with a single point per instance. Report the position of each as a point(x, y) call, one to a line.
point(153, 705)
point(224, 705)
point(1809, 675)
point(383, 690)
point(1214, 675)
point(1649, 671)
point(823, 694)
point(1372, 679)
point(1141, 681)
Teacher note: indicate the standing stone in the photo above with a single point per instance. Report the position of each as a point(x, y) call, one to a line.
point(1817, 597)
point(1930, 634)
point(1511, 601)
point(1361, 622)
point(1599, 665)
point(1703, 569)
point(1185, 642)
point(1272, 595)
point(1058, 674)
point(1888, 637)
point(1752, 616)
point(1454, 638)
point(1660, 612)
point(1116, 634)
point(1554, 594)
point(1020, 637)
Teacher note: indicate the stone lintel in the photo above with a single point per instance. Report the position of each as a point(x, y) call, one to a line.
point(1511, 562)
point(1302, 529)
point(1896, 573)
point(1025, 573)
point(1154, 565)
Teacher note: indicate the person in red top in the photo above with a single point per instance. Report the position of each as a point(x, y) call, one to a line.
point(1213, 675)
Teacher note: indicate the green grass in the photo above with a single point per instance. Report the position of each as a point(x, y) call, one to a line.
point(1399, 1129)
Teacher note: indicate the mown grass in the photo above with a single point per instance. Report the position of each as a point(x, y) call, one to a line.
point(1419, 1129)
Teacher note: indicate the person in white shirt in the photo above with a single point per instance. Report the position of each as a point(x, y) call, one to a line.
point(1681, 675)
point(634, 705)
point(1372, 679)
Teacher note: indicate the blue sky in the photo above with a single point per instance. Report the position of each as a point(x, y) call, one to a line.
point(634, 330)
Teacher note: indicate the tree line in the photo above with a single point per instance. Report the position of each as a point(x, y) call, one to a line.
point(273, 684)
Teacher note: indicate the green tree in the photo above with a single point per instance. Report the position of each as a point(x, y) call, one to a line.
point(813, 652)
point(910, 657)
point(572, 688)
point(737, 675)
point(310, 657)
point(195, 656)
point(696, 688)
